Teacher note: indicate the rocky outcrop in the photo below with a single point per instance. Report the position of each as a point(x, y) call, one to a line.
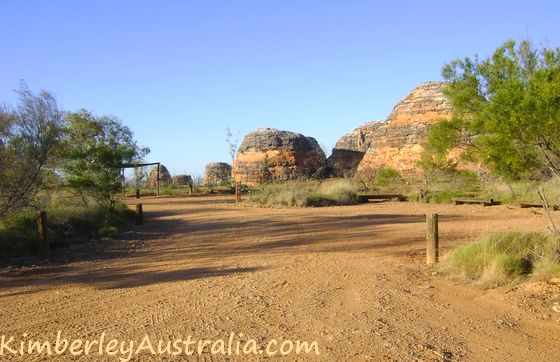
point(398, 142)
point(217, 173)
point(164, 177)
point(350, 150)
point(182, 180)
point(268, 154)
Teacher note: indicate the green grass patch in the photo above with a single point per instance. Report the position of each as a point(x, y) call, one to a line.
point(505, 258)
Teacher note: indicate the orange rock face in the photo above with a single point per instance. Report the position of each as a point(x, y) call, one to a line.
point(350, 149)
point(398, 142)
point(272, 155)
point(424, 104)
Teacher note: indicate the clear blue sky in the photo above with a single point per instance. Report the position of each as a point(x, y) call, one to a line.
point(179, 72)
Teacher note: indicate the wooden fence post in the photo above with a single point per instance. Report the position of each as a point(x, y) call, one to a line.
point(432, 239)
point(137, 193)
point(237, 193)
point(42, 231)
point(157, 178)
point(139, 214)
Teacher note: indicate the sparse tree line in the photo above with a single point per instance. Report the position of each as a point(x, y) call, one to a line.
point(44, 149)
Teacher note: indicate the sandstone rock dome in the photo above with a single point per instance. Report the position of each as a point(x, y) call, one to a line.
point(269, 154)
point(182, 180)
point(164, 177)
point(398, 142)
point(217, 173)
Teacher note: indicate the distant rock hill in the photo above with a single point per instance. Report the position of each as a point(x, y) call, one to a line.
point(269, 154)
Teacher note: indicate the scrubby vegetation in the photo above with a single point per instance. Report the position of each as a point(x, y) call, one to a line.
point(306, 193)
point(442, 187)
point(183, 190)
point(67, 224)
point(506, 117)
point(505, 258)
point(45, 151)
point(386, 177)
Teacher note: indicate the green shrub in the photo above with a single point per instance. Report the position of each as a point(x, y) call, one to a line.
point(468, 180)
point(505, 258)
point(18, 233)
point(445, 196)
point(387, 176)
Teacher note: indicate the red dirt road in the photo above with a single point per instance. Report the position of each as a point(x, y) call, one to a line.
point(351, 278)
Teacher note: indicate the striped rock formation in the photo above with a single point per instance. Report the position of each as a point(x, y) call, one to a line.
point(398, 142)
point(272, 155)
point(350, 150)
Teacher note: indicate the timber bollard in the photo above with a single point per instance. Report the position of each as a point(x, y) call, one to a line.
point(237, 195)
point(137, 193)
point(432, 239)
point(42, 231)
point(139, 214)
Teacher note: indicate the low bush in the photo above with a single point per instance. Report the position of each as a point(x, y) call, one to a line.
point(387, 176)
point(18, 234)
point(306, 193)
point(65, 225)
point(342, 191)
point(445, 196)
point(505, 258)
point(318, 200)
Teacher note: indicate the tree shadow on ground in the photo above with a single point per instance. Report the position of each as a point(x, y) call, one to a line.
point(171, 239)
point(114, 278)
point(234, 237)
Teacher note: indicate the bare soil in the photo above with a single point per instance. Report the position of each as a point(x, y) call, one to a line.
point(352, 278)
